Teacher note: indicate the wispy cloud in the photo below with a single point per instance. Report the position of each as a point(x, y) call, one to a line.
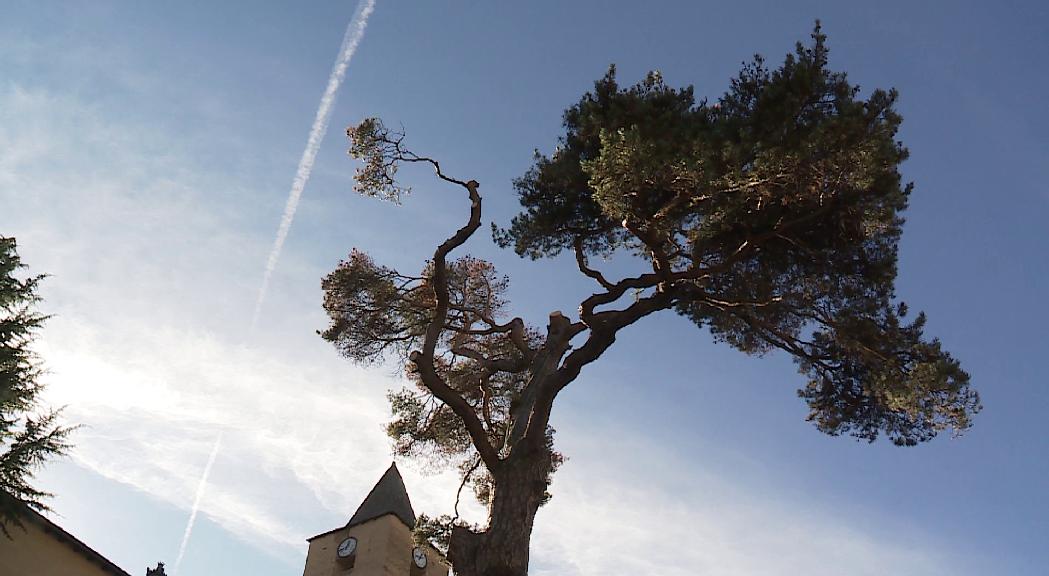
point(149, 399)
point(350, 41)
point(668, 517)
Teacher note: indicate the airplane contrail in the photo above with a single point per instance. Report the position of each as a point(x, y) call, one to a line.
point(196, 503)
point(350, 40)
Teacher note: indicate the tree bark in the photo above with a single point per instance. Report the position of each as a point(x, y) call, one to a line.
point(502, 550)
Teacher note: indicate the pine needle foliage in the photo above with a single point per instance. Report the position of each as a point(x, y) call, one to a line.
point(29, 436)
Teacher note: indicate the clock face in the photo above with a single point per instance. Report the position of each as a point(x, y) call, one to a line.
point(347, 547)
point(419, 557)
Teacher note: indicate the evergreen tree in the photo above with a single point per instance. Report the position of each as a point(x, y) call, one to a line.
point(28, 436)
point(770, 217)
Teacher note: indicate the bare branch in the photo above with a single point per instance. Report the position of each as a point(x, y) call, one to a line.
point(580, 258)
point(459, 492)
point(608, 323)
point(424, 360)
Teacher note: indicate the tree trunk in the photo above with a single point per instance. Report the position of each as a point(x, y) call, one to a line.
point(502, 549)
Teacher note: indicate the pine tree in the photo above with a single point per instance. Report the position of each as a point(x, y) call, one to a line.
point(28, 435)
point(770, 217)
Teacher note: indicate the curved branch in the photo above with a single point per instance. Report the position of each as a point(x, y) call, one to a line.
point(408, 156)
point(615, 292)
point(424, 360)
point(580, 258)
point(609, 323)
point(459, 492)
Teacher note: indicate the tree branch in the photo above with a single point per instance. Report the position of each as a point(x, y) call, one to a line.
point(602, 336)
point(660, 263)
point(424, 360)
point(459, 492)
point(558, 334)
point(608, 323)
point(580, 258)
point(512, 365)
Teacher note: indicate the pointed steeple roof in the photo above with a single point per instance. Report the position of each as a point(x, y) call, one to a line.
point(388, 496)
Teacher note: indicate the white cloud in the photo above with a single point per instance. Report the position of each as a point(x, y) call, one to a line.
point(653, 515)
point(152, 401)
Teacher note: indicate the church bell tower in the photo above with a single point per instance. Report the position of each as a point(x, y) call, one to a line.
point(377, 541)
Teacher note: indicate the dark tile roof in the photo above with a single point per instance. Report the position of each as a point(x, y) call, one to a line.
point(387, 497)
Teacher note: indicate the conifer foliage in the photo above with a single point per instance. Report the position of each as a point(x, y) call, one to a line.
point(28, 436)
point(770, 217)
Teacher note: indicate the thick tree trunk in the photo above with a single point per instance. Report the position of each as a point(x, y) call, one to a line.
point(502, 550)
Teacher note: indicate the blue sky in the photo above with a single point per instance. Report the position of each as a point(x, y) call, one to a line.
point(146, 152)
